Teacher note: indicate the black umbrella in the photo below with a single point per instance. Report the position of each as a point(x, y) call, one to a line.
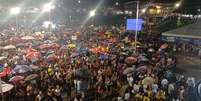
point(83, 72)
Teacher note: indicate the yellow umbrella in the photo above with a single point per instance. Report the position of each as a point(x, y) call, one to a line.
point(148, 80)
point(137, 42)
point(71, 45)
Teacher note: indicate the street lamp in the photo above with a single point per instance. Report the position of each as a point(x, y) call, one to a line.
point(15, 11)
point(177, 5)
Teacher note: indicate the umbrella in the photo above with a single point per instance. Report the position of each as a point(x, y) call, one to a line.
point(2, 58)
point(103, 56)
point(34, 67)
point(137, 42)
point(54, 45)
point(6, 87)
point(31, 77)
point(143, 58)
point(16, 79)
point(71, 46)
point(44, 46)
point(148, 80)
point(5, 71)
point(74, 54)
point(83, 72)
point(21, 69)
point(128, 70)
point(164, 46)
point(2, 82)
point(31, 55)
point(9, 47)
point(142, 69)
point(131, 60)
point(51, 57)
point(28, 38)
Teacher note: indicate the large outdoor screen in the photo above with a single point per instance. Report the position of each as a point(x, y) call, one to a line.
point(131, 24)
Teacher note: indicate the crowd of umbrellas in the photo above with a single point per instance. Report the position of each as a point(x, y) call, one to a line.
point(20, 55)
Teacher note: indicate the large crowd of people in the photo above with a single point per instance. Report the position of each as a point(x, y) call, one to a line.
point(94, 64)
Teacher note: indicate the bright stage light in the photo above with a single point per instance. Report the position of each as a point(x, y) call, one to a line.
point(177, 5)
point(15, 10)
point(92, 13)
point(144, 10)
point(48, 7)
point(46, 24)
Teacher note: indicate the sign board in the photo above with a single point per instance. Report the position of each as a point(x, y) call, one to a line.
point(131, 24)
point(181, 40)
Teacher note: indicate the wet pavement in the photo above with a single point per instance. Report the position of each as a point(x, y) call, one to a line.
point(189, 66)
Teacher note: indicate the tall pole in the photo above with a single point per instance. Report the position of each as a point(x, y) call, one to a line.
point(136, 31)
point(50, 25)
point(16, 22)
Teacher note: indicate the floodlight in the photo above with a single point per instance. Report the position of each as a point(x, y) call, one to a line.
point(48, 7)
point(92, 13)
point(15, 10)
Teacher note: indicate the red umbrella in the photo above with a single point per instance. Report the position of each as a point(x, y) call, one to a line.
point(31, 55)
point(29, 50)
point(131, 60)
point(142, 69)
point(15, 79)
point(5, 71)
point(44, 46)
point(49, 46)
point(15, 40)
point(164, 46)
point(51, 57)
point(55, 45)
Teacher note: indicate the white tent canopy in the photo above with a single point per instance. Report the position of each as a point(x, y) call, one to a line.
point(189, 31)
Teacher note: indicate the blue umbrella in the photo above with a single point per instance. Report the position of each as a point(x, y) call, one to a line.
point(103, 56)
point(21, 69)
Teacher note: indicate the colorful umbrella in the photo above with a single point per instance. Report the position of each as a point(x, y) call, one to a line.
point(54, 45)
point(148, 80)
point(71, 45)
point(164, 46)
point(128, 70)
point(6, 71)
point(51, 57)
point(15, 79)
point(28, 38)
point(6, 87)
point(131, 60)
point(103, 56)
point(142, 69)
point(21, 69)
point(31, 55)
point(75, 54)
point(44, 46)
point(31, 77)
point(2, 58)
point(34, 67)
point(9, 47)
